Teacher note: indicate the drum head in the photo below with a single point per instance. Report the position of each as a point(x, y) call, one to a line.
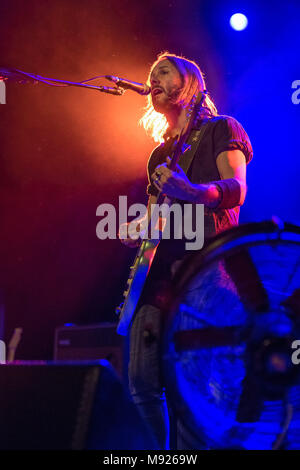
point(228, 342)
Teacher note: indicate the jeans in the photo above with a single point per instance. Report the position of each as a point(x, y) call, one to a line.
point(145, 377)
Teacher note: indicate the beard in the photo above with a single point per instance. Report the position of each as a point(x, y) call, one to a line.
point(167, 100)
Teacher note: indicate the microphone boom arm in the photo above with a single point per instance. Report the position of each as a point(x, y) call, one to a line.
point(12, 74)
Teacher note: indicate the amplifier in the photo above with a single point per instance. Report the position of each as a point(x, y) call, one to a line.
point(90, 342)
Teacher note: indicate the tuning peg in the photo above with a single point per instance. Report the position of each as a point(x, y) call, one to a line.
point(119, 309)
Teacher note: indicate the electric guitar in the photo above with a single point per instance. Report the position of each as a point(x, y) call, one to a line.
point(146, 252)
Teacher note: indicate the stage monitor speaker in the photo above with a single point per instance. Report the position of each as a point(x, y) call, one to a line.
point(91, 342)
point(57, 405)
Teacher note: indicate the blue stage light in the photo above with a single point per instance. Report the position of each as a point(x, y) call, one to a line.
point(238, 21)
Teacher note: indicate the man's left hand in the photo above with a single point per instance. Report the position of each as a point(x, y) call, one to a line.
point(173, 183)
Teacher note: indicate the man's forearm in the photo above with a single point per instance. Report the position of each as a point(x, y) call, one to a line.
point(208, 194)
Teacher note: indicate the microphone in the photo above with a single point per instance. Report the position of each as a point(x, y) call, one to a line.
point(140, 88)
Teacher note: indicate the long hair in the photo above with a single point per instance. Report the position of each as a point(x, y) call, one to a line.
point(193, 82)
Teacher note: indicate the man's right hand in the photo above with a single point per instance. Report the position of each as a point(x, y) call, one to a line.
point(131, 233)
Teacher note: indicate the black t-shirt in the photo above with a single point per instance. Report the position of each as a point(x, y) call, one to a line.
point(222, 133)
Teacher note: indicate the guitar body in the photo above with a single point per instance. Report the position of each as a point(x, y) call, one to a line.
point(135, 284)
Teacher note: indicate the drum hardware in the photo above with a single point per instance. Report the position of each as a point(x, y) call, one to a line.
point(228, 336)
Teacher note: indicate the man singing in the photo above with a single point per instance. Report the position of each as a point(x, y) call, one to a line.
point(216, 178)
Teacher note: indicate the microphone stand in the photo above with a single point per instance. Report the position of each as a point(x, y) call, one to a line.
point(19, 76)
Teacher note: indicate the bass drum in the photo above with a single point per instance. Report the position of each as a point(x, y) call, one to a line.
point(230, 348)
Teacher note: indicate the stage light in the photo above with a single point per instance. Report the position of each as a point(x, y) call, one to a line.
point(238, 21)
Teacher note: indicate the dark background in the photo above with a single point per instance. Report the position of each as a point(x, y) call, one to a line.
point(64, 151)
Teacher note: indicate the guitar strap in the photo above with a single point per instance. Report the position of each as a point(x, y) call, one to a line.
point(193, 142)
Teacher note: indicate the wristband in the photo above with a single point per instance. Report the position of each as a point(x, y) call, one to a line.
point(230, 193)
